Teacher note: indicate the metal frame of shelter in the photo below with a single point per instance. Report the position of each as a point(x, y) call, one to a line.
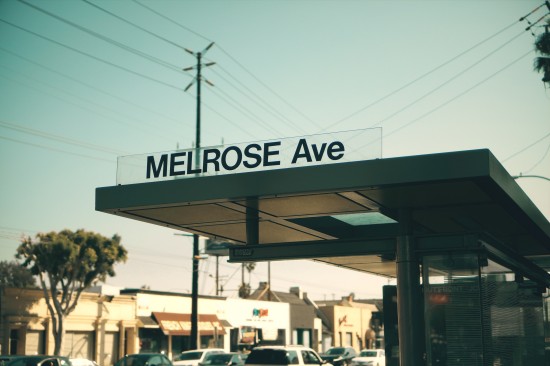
point(382, 216)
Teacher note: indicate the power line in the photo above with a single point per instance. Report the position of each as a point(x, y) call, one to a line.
point(257, 100)
point(446, 82)
point(540, 160)
point(395, 91)
point(526, 148)
point(57, 150)
point(104, 38)
point(66, 140)
point(134, 25)
point(151, 33)
point(17, 229)
point(88, 85)
point(269, 88)
point(243, 109)
point(94, 111)
point(118, 44)
point(171, 21)
point(228, 120)
point(91, 56)
point(457, 96)
point(231, 58)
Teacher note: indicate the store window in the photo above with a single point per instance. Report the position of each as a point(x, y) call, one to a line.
point(14, 341)
point(349, 339)
point(152, 341)
point(301, 336)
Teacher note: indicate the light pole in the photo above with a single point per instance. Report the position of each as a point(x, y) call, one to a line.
point(193, 338)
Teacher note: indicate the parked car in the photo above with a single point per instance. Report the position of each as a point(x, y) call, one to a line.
point(144, 359)
point(222, 359)
point(83, 362)
point(4, 359)
point(339, 356)
point(193, 357)
point(38, 360)
point(370, 357)
point(283, 355)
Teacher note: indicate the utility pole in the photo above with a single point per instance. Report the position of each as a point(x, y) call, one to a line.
point(193, 338)
point(217, 275)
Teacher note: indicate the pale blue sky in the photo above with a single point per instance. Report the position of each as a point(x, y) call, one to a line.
point(82, 82)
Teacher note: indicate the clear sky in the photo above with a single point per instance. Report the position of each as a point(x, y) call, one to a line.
point(82, 82)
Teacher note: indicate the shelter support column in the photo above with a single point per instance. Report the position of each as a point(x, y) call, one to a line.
point(252, 222)
point(409, 309)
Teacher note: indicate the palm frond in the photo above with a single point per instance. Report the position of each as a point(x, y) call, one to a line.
point(542, 64)
point(543, 43)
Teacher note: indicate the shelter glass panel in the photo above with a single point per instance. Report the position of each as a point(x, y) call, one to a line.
point(452, 303)
point(478, 312)
point(513, 320)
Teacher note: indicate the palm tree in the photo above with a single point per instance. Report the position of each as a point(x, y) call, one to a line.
point(542, 63)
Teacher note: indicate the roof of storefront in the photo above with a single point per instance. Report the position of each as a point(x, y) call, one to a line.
point(447, 193)
point(135, 291)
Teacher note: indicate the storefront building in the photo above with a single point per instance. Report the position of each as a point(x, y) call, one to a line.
point(351, 323)
point(257, 323)
point(306, 328)
point(97, 329)
point(163, 321)
point(106, 327)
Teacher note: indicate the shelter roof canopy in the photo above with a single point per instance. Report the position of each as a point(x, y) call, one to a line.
point(446, 193)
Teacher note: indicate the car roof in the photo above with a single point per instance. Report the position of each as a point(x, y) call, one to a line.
point(296, 346)
point(202, 350)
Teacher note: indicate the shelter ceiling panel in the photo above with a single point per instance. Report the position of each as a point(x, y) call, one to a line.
point(428, 195)
point(541, 260)
point(489, 218)
point(191, 214)
point(270, 232)
point(310, 205)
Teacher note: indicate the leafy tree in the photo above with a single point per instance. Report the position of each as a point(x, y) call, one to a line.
point(542, 63)
point(67, 263)
point(13, 274)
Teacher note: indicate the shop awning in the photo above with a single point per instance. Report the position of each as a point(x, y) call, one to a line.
point(180, 324)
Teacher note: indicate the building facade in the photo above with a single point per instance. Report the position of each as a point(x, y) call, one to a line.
point(352, 323)
point(97, 329)
point(104, 327)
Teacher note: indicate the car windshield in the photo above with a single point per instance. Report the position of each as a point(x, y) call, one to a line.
point(270, 357)
point(336, 351)
point(217, 359)
point(368, 354)
point(194, 355)
point(31, 361)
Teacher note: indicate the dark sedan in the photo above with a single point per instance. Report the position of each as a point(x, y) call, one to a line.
point(38, 360)
point(339, 356)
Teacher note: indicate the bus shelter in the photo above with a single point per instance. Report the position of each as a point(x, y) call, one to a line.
point(468, 248)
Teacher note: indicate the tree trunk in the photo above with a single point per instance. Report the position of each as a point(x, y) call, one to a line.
point(59, 335)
